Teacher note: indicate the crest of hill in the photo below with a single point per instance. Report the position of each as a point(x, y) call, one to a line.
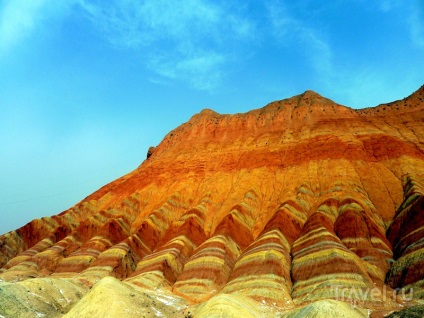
point(309, 99)
point(411, 103)
point(314, 101)
point(288, 121)
point(254, 215)
point(291, 113)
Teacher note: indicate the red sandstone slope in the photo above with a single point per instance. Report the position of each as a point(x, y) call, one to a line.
point(278, 205)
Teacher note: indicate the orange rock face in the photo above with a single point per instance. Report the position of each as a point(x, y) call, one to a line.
point(284, 205)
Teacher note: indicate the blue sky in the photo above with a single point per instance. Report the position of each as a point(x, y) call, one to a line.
point(86, 86)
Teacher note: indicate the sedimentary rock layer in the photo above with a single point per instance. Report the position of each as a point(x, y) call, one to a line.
point(407, 236)
point(300, 208)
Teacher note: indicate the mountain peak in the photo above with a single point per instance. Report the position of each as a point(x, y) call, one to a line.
point(205, 113)
point(240, 213)
point(311, 98)
point(311, 94)
point(208, 112)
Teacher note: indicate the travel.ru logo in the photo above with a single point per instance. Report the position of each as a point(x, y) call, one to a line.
point(359, 296)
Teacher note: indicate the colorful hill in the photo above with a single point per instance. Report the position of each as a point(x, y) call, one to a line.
point(303, 208)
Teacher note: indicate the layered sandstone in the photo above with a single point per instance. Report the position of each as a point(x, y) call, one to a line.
point(298, 209)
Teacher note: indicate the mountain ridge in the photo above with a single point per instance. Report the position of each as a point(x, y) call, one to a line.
point(276, 206)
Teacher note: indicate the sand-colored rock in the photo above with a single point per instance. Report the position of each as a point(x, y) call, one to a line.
point(228, 306)
point(113, 298)
point(40, 297)
point(328, 309)
point(283, 210)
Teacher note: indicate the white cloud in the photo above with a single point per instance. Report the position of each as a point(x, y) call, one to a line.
point(19, 18)
point(412, 12)
point(363, 88)
point(388, 5)
point(191, 41)
point(202, 70)
point(288, 29)
point(188, 40)
point(370, 86)
point(416, 23)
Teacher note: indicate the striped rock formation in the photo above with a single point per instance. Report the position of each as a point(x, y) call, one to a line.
point(303, 208)
point(407, 236)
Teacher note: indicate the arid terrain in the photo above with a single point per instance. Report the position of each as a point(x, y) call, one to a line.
point(302, 208)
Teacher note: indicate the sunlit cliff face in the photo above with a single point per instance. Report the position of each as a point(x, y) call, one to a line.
point(303, 206)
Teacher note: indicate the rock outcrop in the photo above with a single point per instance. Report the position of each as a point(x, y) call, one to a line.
point(303, 208)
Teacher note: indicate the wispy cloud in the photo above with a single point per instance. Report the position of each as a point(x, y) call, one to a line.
point(289, 29)
point(412, 12)
point(362, 88)
point(370, 86)
point(133, 23)
point(19, 18)
point(202, 70)
point(416, 23)
point(387, 5)
point(189, 40)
